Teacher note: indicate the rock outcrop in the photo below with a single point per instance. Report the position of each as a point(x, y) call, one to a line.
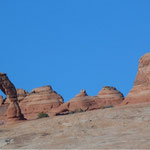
point(108, 96)
point(82, 93)
point(39, 100)
point(1, 100)
point(14, 111)
point(21, 94)
point(141, 90)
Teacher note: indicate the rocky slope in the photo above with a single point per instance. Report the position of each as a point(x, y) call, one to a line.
point(141, 90)
point(123, 127)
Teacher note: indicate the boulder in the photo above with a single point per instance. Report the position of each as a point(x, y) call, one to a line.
point(41, 99)
point(141, 90)
point(108, 96)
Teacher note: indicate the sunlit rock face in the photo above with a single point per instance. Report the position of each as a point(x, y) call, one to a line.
point(41, 99)
point(108, 96)
point(21, 94)
point(141, 90)
point(7, 87)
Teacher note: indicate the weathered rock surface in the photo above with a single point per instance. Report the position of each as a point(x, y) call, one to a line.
point(1, 100)
point(123, 127)
point(108, 96)
point(39, 100)
point(14, 111)
point(141, 90)
point(82, 93)
point(21, 94)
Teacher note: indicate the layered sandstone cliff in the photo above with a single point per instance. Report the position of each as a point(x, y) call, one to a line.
point(141, 90)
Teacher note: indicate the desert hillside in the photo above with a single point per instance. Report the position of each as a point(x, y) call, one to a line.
point(106, 120)
point(119, 127)
point(75, 74)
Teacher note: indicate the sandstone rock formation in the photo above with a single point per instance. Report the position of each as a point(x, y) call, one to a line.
point(141, 90)
point(21, 94)
point(108, 96)
point(1, 100)
point(14, 111)
point(82, 93)
point(39, 100)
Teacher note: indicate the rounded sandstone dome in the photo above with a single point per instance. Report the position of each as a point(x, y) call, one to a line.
point(111, 93)
point(42, 89)
point(41, 99)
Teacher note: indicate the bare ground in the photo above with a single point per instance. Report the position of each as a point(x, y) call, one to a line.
point(116, 128)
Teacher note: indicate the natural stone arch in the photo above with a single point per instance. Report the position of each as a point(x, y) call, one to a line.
point(7, 87)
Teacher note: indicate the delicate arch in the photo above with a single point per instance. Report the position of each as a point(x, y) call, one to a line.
point(9, 90)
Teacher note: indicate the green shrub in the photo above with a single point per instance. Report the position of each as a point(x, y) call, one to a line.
point(42, 115)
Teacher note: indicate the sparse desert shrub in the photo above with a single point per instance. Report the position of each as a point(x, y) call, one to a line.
point(79, 110)
point(76, 111)
point(102, 107)
point(42, 115)
point(71, 112)
point(108, 106)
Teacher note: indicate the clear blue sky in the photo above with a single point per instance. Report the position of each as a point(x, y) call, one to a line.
point(73, 44)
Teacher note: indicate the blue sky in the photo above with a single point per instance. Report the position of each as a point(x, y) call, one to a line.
point(73, 44)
